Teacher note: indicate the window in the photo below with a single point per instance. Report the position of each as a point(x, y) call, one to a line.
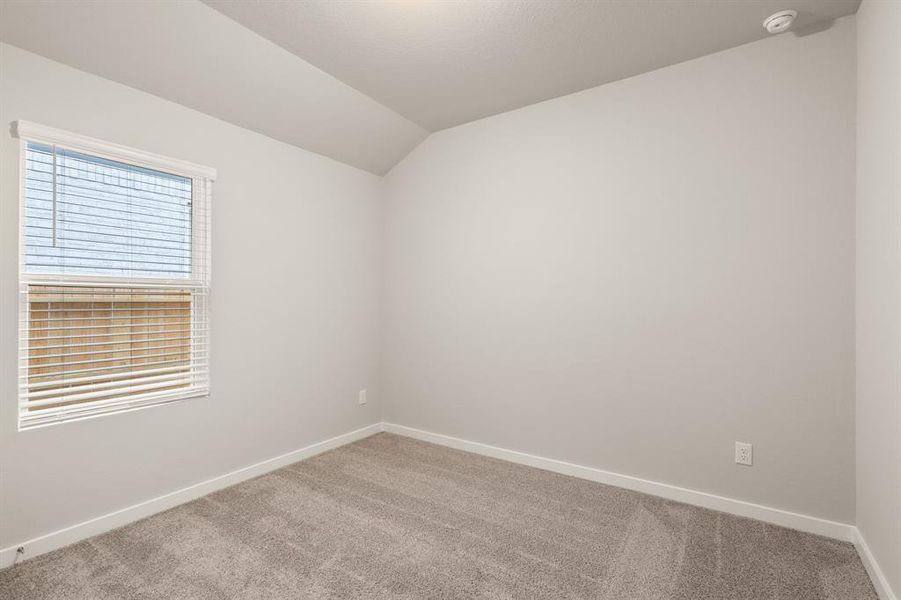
point(114, 277)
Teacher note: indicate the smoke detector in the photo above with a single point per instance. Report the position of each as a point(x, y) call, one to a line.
point(780, 21)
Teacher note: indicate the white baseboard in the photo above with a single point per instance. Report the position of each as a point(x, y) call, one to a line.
point(107, 522)
point(832, 529)
point(883, 589)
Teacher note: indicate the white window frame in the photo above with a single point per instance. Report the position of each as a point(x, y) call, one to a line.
point(201, 197)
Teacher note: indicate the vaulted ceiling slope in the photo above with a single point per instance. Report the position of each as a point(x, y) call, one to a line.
point(441, 63)
point(365, 82)
point(186, 52)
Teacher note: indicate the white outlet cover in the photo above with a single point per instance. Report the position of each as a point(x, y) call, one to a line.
point(744, 454)
point(362, 397)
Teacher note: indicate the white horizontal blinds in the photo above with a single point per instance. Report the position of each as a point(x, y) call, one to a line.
point(105, 345)
point(114, 284)
point(89, 215)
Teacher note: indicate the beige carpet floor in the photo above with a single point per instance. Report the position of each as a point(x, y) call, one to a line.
point(390, 517)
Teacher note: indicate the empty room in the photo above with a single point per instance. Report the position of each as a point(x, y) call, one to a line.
point(458, 299)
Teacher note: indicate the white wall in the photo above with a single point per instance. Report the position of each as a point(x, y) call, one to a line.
point(636, 276)
point(879, 283)
point(296, 270)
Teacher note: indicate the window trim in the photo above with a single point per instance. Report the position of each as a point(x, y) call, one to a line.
point(33, 132)
point(201, 176)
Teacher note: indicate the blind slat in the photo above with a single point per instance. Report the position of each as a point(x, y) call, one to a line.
point(68, 392)
point(131, 351)
point(107, 394)
point(127, 238)
point(129, 342)
point(106, 360)
point(38, 205)
point(29, 418)
point(27, 380)
point(125, 375)
point(95, 336)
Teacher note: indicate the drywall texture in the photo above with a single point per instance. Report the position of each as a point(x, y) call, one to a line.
point(296, 241)
point(636, 276)
point(879, 283)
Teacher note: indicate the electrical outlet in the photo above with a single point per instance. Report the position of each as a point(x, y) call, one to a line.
point(362, 397)
point(744, 454)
